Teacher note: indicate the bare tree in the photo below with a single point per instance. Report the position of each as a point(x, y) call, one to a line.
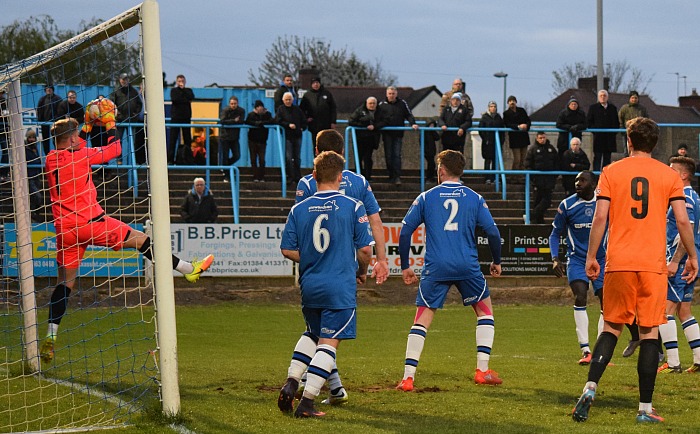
point(623, 77)
point(97, 64)
point(339, 67)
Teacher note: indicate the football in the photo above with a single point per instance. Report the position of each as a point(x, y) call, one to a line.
point(101, 111)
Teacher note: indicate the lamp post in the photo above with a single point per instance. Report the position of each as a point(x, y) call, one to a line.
point(504, 76)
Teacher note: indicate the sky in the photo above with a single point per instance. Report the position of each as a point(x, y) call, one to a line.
point(422, 43)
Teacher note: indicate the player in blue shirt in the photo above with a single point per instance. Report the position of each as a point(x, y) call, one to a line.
point(357, 187)
point(451, 213)
point(574, 217)
point(680, 292)
point(328, 234)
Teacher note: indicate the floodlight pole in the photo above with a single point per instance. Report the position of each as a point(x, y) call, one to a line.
point(504, 76)
point(600, 82)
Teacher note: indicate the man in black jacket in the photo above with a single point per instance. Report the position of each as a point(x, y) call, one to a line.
point(47, 111)
point(603, 115)
point(287, 85)
point(181, 98)
point(391, 113)
point(257, 139)
point(71, 108)
point(455, 115)
point(573, 121)
point(229, 137)
point(516, 119)
point(543, 157)
point(292, 119)
point(319, 107)
point(129, 107)
point(199, 205)
point(367, 140)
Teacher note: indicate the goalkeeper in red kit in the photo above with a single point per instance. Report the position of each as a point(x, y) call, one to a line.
point(79, 219)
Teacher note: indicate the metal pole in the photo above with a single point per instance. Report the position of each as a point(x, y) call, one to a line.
point(599, 71)
point(160, 209)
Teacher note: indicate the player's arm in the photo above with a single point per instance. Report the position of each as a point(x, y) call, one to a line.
point(557, 229)
point(494, 237)
point(364, 255)
point(685, 230)
point(381, 267)
point(293, 255)
point(598, 226)
point(409, 276)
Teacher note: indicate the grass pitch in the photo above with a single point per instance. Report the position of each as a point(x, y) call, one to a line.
point(233, 360)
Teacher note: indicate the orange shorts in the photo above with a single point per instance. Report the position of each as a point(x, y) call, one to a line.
point(72, 242)
point(627, 294)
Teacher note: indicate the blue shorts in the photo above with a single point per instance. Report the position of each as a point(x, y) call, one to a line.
point(678, 290)
point(330, 323)
point(576, 270)
point(432, 294)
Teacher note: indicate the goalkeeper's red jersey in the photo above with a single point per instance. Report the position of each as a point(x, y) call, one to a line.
point(69, 175)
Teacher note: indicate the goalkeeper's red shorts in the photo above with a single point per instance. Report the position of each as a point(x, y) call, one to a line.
point(103, 231)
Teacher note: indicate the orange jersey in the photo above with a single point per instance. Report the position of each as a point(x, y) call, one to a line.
point(639, 190)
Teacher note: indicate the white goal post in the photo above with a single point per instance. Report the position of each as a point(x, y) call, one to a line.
point(146, 17)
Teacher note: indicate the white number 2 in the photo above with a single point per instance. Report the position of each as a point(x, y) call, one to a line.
point(322, 238)
point(454, 207)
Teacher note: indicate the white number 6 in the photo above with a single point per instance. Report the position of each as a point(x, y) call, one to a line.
point(322, 238)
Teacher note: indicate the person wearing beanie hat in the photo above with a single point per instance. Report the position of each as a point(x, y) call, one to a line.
point(682, 151)
point(573, 121)
point(319, 108)
point(511, 98)
point(516, 119)
point(47, 111)
point(257, 139)
point(633, 109)
point(454, 116)
point(491, 119)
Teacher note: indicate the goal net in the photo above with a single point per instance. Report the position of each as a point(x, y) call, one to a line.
point(102, 366)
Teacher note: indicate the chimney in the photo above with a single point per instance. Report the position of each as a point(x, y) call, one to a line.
point(591, 83)
point(306, 74)
point(692, 100)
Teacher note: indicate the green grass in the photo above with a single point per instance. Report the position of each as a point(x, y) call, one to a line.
point(233, 359)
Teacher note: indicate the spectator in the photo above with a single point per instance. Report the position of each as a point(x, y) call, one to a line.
point(319, 107)
point(455, 115)
point(129, 107)
point(71, 108)
point(682, 151)
point(47, 111)
point(196, 154)
point(367, 140)
point(490, 119)
point(181, 98)
point(391, 113)
point(287, 85)
point(292, 119)
point(603, 114)
point(572, 120)
point(199, 205)
point(516, 119)
point(633, 109)
point(543, 157)
point(228, 137)
point(457, 86)
point(33, 173)
point(574, 160)
point(257, 139)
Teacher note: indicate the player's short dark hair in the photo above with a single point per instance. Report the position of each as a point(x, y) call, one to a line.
point(327, 166)
point(643, 133)
point(330, 140)
point(452, 161)
point(687, 163)
point(593, 176)
point(63, 129)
